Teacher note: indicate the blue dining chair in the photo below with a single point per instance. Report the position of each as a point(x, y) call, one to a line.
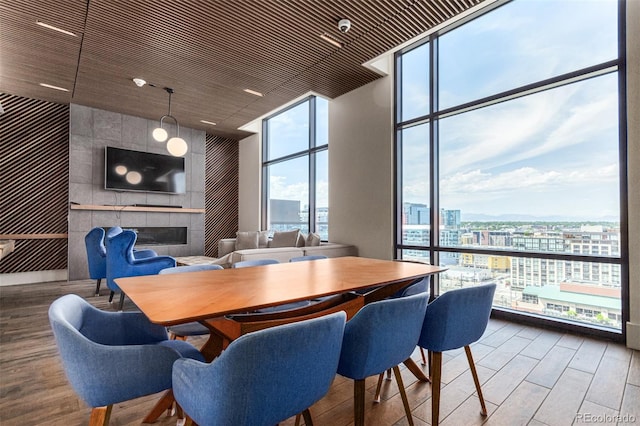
point(111, 357)
point(307, 257)
point(254, 262)
point(182, 331)
point(279, 308)
point(454, 320)
point(97, 254)
point(263, 377)
point(380, 336)
point(121, 262)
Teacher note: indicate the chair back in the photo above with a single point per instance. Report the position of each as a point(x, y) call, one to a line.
point(113, 231)
point(381, 335)
point(418, 286)
point(308, 257)
point(457, 318)
point(190, 268)
point(121, 261)
point(254, 262)
point(264, 377)
point(94, 346)
point(96, 253)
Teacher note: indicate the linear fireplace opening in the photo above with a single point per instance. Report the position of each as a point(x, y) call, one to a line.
point(160, 235)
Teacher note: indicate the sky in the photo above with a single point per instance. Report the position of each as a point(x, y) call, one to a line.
point(553, 153)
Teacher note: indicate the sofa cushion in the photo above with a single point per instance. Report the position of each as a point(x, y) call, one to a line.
point(281, 254)
point(263, 239)
point(246, 240)
point(313, 240)
point(284, 239)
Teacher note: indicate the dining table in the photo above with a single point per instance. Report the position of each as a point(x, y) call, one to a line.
point(229, 301)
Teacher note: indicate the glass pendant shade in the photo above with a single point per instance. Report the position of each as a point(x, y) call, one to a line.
point(160, 134)
point(177, 146)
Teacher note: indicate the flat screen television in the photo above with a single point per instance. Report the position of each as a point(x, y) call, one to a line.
point(128, 170)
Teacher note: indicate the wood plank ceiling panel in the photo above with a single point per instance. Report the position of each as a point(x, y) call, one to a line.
point(208, 52)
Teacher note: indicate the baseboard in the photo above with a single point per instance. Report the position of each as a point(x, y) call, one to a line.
point(633, 336)
point(33, 277)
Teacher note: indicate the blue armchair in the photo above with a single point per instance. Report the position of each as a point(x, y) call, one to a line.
point(182, 331)
point(454, 320)
point(263, 377)
point(380, 336)
point(111, 357)
point(97, 254)
point(121, 261)
point(254, 262)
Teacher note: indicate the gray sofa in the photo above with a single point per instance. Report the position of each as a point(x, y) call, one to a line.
point(228, 255)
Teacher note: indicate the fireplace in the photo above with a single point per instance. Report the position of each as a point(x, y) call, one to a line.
point(160, 235)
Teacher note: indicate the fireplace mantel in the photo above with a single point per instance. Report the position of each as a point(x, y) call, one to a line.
point(136, 209)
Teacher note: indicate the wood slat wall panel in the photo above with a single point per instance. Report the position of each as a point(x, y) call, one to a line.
point(221, 192)
point(209, 52)
point(34, 181)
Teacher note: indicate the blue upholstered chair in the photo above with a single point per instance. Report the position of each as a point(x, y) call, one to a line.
point(254, 262)
point(111, 357)
point(279, 308)
point(263, 377)
point(380, 336)
point(97, 254)
point(454, 320)
point(182, 331)
point(308, 257)
point(121, 262)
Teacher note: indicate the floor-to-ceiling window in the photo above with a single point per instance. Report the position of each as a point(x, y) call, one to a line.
point(511, 149)
point(295, 168)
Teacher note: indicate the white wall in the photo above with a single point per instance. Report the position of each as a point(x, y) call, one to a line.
point(249, 193)
point(361, 169)
point(633, 129)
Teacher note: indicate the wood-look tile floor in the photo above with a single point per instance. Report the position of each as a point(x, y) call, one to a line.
point(529, 376)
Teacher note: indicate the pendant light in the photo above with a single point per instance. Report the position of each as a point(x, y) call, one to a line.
point(176, 145)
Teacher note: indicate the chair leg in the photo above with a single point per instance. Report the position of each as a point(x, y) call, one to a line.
point(121, 304)
point(424, 358)
point(111, 293)
point(436, 358)
point(98, 286)
point(358, 402)
point(376, 398)
point(100, 416)
point(403, 394)
point(474, 373)
point(298, 419)
point(308, 421)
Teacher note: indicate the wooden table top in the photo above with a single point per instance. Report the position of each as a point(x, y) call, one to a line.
point(178, 298)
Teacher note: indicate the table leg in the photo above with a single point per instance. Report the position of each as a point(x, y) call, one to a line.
point(161, 406)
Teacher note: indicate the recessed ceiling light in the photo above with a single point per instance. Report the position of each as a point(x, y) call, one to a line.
point(330, 39)
point(139, 82)
point(49, 86)
point(208, 122)
point(253, 92)
point(60, 30)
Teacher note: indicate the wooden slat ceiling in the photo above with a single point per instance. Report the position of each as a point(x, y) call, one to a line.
point(207, 51)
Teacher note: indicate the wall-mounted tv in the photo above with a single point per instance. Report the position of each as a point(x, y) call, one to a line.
point(127, 170)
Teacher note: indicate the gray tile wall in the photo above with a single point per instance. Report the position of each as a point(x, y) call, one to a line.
point(90, 131)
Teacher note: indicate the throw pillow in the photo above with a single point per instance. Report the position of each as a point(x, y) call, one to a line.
point(285, 239)
point(301, 240)
point(313, 240)
point(246, 240)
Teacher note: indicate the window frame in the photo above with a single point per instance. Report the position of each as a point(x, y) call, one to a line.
point(434, 249)
point(310, 152)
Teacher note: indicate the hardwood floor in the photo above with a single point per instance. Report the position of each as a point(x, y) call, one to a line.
point(529, 376)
